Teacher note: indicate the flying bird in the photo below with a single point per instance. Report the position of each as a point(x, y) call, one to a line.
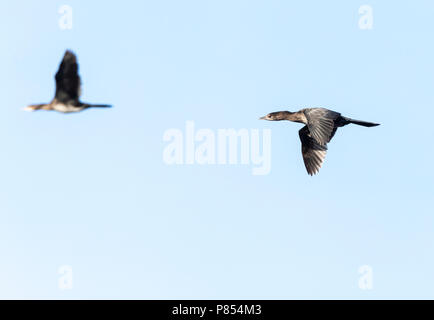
point(320, 127)
point(68, 89)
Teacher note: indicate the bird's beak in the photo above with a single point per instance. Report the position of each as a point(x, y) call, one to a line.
point(263, 118)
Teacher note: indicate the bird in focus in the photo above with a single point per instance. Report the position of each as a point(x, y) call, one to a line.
point(320, 127)
point(68, 89)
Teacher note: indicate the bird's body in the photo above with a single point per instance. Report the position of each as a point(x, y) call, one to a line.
point(68, 89)
point(320, 127)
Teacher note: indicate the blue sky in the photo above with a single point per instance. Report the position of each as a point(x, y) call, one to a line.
point(91, 190)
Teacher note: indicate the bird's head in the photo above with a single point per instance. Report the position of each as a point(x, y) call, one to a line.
point(276, 116)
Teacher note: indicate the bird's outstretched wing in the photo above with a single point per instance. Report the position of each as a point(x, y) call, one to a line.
point(67, 79)
point(313, 153)
point(321, 123)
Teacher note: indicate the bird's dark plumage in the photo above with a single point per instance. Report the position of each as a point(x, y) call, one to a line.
point(320, 127)
point(68, 89)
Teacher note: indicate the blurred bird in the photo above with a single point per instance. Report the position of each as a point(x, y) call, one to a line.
point(67, 97)
point(321, 125)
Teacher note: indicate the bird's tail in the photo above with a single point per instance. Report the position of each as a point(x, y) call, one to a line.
point(362, 123)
